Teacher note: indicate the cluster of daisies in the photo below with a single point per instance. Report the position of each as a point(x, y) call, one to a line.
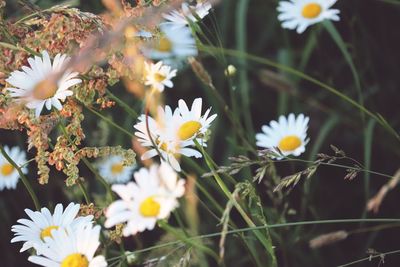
point(153, 196)
point(66, 239)
point(47, 83)
point(175, 133)
point(60, 239)
point(175, 44)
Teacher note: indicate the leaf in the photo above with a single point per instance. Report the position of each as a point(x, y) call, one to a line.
point(247, 190)
point(342, 46)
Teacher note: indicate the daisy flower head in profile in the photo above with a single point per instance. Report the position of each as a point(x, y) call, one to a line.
point(113, 170)
point(43, 83)
point(159, 76)
point(181, 18)
point(300, 14)
point(42, 223)
point(70, 247)
point(288, 134)
point(191, 123)
point(150, 198)
point(9, 176)
point(161, 138)
point(172, 46)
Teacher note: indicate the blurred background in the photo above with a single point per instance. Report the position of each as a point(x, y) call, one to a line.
point(370, 32)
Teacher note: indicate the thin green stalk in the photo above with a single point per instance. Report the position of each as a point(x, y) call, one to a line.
point(368, 139)
point(265, 241)
point(322, 135)
point(231, 179)
point(85, 194)
point(311, 43)
point(110, 121)
point(306, 77)
point(11, 46)
point(180, 222)
point(193, 165)
point(32, 15)
point(163, 224)
point(325, 130)
point(125, 106)
point(234, 121)
point(342, 47)
point(241, 39)
point(24, 179)
point(339, 166)
point(99, 177)
point(379, 255)
point(209, 197)
point(270, 226)
point(394, 2)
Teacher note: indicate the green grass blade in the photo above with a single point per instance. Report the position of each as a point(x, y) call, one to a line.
point(379, 118)
point(241, 39)
point(368, 139)
point(326, 129)
point(342, 47)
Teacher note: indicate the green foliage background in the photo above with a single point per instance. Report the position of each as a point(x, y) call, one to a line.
point(370, 33)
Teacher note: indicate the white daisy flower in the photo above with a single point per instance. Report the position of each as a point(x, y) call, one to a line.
point(114, 172)
point(163, 134)
point(152, 197)
point(42, 224)
point(191, 123)
point(159, 76)
point(171, 185)
point(180, 18)
point(9, 176)
point(42, 84)
point(72, 248)
point(299, 14)
point(288, 134)
point(174, 43)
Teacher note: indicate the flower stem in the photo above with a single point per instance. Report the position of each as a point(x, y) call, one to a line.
point(99, 177)
point(265, 241)
point(24, 179)
point(85, 194)
point(110, 121)
point(270, 226)
point(125, 106)
point(163, 224)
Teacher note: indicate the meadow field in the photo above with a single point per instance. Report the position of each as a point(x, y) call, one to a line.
point(199, 133)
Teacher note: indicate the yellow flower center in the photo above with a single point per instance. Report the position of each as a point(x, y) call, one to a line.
point(164, 44)
point(188, 129)
point(311, 11)
point(75, 260)
point(6, 169)
point(117, 168)
point(149, 207)
point(45, 89)
point(163, 146)
point(46, 232)
point(289, 143)
point(159, 77)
